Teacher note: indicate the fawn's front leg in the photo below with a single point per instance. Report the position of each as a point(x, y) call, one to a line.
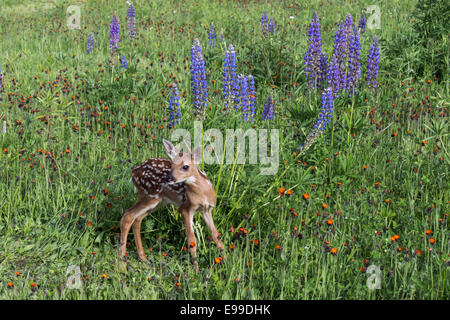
point(188, 216)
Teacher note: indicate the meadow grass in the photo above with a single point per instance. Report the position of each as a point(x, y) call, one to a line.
point(375, 181)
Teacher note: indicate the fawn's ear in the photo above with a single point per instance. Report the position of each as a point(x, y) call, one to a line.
point(172, 152)
point(197, 154)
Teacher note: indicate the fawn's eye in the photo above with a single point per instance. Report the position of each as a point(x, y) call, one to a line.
point(185, 167)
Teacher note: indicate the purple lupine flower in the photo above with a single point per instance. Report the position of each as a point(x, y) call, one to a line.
point(212, 36)
point(373, 63)
point(362, 23)
point(271, 26)
point(354, 62)
point(251, 96)
point(174, 106)
point(323, 70)
point(235, 87)
point(198, 80)
point(230, 84)
point(1, 80)
point(326, 110)
point(312, 55)
point(124, 62)
point(348, 29)
point(226, 77)
point(325, 115)
point(90, 44)
point(131, 21)
point(114, 30)
point(337, 70)
point(243, 95)
point(264, 24)
point(268, 109)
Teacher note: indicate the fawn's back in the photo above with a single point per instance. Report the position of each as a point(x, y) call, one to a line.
point(151, 180)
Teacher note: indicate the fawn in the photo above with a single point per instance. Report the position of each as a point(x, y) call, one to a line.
point(178, 181)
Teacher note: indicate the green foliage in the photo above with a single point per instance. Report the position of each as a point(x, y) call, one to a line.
point(424, 49)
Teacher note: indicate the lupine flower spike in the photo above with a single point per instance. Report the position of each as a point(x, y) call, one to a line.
point(312, 56)
point(198, 80)
point(362, 23)
point(336, 71)
point(230, 83)
point(212, 36)
point(354, 62)
point(271, 26)
point(348, 27)
point(114, 30)
point(264, 24)
point(323, 70)
point(325, 115)
point(131, 21)
point(90, 44)
point(174, 106)
point(373, 63)
point(251, 97)
point(124, 62)
point(268, 109)
point(244, 102)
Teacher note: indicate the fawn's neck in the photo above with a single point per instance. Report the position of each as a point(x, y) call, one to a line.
point(200, 189)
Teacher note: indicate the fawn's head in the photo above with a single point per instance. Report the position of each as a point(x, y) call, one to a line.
point(184, 164)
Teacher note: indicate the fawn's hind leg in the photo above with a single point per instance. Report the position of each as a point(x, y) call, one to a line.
point(137, 233)
point(135, 215)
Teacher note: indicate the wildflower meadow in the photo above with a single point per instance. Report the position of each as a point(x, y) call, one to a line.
point(348, 99)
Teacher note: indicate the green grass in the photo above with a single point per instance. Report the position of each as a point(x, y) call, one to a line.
point(62, 149)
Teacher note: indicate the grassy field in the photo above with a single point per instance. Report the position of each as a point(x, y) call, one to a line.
point(372, 190)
